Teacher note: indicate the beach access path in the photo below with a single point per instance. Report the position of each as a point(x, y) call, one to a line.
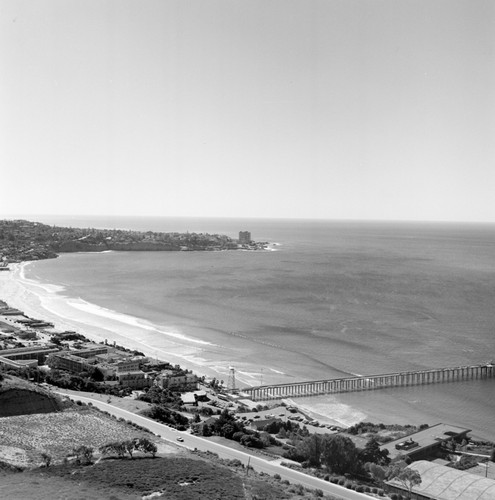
point(192, 442)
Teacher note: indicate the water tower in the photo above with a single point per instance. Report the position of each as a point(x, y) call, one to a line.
point(231, 382)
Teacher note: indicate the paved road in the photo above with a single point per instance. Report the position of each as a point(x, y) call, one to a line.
point(195, 442)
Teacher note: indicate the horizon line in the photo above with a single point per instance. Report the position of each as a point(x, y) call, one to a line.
point(256, 218)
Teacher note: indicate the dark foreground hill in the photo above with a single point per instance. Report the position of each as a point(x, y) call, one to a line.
point(20, 398)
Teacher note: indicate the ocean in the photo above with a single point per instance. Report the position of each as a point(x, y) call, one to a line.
point(330, 299)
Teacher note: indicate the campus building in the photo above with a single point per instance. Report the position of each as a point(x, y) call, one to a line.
point(173, 382)
point(426, 442)
point(21, 357)
point(439, 482)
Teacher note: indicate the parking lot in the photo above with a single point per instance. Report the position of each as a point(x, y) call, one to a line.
point(287, 413)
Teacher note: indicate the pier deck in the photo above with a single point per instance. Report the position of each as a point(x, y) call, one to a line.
point(371, 382)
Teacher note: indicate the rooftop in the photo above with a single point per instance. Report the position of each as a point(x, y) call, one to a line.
point(439, 482)
point(425, 438)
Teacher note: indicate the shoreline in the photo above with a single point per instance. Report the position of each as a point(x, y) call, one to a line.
point(20, 292)
point(49, 302)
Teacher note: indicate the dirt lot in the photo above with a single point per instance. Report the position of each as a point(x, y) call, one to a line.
point(129, 404)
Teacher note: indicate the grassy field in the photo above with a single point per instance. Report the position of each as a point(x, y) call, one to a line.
point(170, 478)
point(35, 485)
point(178, 478)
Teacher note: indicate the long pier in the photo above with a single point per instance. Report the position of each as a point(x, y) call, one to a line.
point(371, 382)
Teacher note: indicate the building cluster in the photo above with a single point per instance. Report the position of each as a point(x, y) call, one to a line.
point(431, 451)
point(73, 353)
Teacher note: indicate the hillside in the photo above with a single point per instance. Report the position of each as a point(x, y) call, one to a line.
point(18, 397)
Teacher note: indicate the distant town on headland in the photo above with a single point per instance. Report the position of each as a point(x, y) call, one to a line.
point(22, 240)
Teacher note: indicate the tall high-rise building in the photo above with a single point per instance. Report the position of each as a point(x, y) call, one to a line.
point(244, 237)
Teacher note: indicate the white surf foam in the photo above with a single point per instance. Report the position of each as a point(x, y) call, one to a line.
point(103, 312)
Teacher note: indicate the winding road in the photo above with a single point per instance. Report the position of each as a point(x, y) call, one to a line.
point(196, 442)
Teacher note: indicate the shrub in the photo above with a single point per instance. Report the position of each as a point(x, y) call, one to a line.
point(276, 476)
point(360, 489)
point(341, 481)
point(84, 455)
point(47, 459)
point(318, 493)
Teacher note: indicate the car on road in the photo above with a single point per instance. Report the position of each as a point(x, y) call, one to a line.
point(181, 440)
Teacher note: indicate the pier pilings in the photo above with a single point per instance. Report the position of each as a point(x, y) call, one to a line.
point(371, 382)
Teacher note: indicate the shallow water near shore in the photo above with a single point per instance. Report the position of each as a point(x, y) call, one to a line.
point(336, 299)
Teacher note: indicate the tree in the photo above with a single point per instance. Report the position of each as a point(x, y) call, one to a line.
point(122, 447)
point(377, 472)
point(274, 426)
point(97, 375)
point(339, 454)
point(311, 448)
point(265, 439)
point(115, 447)
point(238, 436)
point(129, 447)
point(372, 453)
point(146, 446)
point(227, 431)
point(84, 454)
point(251, 441)
point(404, 475)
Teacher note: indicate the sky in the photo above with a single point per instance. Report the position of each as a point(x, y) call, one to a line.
point(334, 109)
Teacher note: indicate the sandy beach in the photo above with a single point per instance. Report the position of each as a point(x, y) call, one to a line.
point(48, 302)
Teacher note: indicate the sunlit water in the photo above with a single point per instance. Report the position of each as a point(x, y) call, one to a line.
point(335, 299)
